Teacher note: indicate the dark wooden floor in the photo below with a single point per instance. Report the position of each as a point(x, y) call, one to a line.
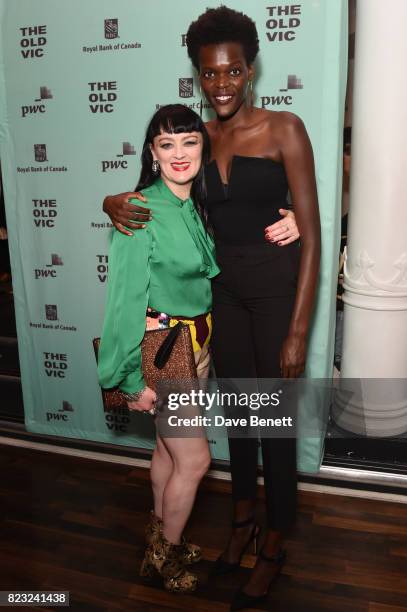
point(75, 524)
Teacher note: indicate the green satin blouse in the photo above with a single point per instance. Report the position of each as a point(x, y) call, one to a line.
point(167, 266)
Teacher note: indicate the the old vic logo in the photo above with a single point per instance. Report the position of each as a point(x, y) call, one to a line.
point(102, 96)
point(102, 267)
point(33, 41)
point(44, 212)
point(283, 21)
point(55, 364)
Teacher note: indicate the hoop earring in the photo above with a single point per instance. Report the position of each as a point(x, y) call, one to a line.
point(155, 167)
point(251, 94)
point(201, 102)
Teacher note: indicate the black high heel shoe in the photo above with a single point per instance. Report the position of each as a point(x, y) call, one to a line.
point(222, 567)
point(243, 600)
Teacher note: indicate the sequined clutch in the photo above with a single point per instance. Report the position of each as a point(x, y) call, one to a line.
point(166, 354)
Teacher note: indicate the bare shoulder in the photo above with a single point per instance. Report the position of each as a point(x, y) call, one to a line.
point(287, 123)
point(288, 129)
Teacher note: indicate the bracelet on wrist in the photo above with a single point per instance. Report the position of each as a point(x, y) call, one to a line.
point(134, 397)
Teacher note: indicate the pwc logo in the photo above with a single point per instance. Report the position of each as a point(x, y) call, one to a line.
point(283, 98)
point(119, 164)
point(62, 414)
point(49, 271)
point(38, 107)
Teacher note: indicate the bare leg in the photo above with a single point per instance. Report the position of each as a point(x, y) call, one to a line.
point(161, 469)
point(191, 459)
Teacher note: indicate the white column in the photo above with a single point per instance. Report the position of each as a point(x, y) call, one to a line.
point(375, 275)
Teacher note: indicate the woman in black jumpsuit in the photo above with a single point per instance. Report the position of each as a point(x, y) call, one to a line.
point(253, 299)
point(263, 298)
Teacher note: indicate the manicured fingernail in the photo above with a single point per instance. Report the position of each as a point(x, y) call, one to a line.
point(143, 226)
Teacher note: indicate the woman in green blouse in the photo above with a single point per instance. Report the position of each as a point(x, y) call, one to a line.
point(166, 268)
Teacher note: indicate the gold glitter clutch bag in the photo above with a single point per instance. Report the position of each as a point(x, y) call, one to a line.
point(166, 355)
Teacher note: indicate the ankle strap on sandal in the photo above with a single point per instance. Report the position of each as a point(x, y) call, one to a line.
point(248, 521)
point(277, 558)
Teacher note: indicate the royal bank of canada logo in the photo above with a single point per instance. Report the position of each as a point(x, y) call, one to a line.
point(111, 28)
point(102, 267)
point(55, 364)
point(53, 320)
point(111, 31)
point(51, 312)
point(283, 22)
point(44, 212)
point(186, 90)
point(33, 41)
point(40, 152)
point(283, 97)
point(49, 271)
point(38, 106)
point(119, 164)
point(40, 156)
point(62, 414)
point(186, 87)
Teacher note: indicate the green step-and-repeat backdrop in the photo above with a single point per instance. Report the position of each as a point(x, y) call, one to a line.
point(79, 81)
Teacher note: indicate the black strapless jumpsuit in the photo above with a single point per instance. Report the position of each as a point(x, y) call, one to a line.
point(253, 299)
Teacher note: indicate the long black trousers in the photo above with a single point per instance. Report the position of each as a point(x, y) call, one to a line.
point(253, 298)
